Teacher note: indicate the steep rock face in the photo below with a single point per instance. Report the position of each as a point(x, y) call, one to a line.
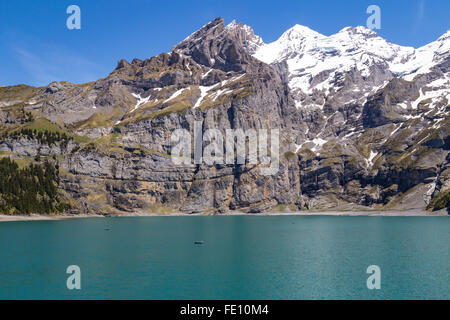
point(246, 37)
point(259, 101)
point(32, 147)
point(362, 123)
point(370, 106)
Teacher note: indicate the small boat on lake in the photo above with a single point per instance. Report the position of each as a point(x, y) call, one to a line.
point(199, 242)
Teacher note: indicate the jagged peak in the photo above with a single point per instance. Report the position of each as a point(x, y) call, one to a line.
point(207, 27)
point(220, 47)
point(246, 35)
point(122, 63)
point(233, 24)
point(213, 23)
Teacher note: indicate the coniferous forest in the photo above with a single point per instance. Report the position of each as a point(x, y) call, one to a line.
point(43, 136)
point(32, 189)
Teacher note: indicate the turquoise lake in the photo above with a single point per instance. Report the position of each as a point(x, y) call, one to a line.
point(243, 257)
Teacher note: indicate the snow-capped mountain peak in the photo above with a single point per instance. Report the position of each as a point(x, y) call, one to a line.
point(442, 45)
point(317, 63)
point(424, 58)
point(358, 30)
point(293, 41)
point(311, 56)
point(445, 36)
point(299, 32)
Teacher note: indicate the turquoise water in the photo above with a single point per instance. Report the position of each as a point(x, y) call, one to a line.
point(243, 257)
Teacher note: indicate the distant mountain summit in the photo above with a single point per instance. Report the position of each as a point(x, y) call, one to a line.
point(364, 124)
point(315, 63)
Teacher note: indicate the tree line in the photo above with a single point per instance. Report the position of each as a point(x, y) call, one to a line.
point(32, 189)
point(43, 136)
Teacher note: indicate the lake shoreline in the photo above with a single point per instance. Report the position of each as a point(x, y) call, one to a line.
point(386, 213)
point(41, 217)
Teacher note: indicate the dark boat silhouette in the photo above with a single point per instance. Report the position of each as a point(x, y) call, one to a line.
point(199, 242)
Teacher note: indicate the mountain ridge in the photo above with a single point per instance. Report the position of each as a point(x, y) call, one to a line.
point(353, 133)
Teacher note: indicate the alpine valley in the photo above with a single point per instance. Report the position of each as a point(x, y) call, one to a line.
point(364, 125)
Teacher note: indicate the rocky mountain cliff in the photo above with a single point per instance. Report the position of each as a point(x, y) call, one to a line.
point(363, 124)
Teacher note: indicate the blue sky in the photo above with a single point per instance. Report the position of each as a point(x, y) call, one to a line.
point(36, 47)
